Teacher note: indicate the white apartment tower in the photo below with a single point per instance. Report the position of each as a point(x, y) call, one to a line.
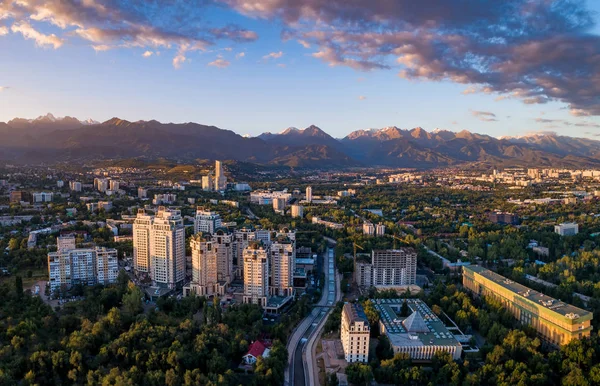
point(308, 194)
point(368, 229)
point(142, 227)
point(283, 263)
point(380, 230)
point(114, 185)
point(167, 248)
point(355, 331)
point(256, 274)
point(206, 221)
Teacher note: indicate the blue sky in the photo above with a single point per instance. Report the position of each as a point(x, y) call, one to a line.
point(49, 64)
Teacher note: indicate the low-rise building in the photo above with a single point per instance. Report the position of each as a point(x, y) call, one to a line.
point(417, 331)
point(567, 229)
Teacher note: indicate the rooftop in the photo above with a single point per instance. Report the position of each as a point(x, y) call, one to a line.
point(355, 313)
point(421, 328)
point(564, 309)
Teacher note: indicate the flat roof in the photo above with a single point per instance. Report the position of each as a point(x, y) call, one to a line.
point(389, 316)
point(534, 296)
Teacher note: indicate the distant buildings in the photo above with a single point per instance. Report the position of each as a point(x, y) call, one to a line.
point(164, 199)
point(558, 323)
point(216, 183)
point(355, 333)
point(159, 246)
point(309, 195)
point(392, 267)
point(418, 332)
point(380, 230)
point(267, 198)
point(206, 221)
point(142, 193)
point(368, 229)
point(503, 218)
point(567, 229)
point(75, 186)
point(19, 196)
point(60, 184)
point(297, 211)
point(42, 197)
point(70, 266)
point(279, 205)
point(328, 224)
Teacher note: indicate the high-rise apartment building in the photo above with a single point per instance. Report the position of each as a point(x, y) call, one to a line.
point(279, 205)
point(212, 264)
point(380, 230)
point(167, 248)
point(86, 266)
point(142, 193)
point(308, 194)
point(42, 197)
point(391, 267)
point(355, 332)
point(114, 185)
point(142, 227)
point(208, 183)
point(256, 274)
point(283, 263)
point(206, 221)
point(159, 246)
point(101, 184)
point(557, 322)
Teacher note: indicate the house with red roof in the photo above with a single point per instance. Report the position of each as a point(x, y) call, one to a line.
point(257, 349)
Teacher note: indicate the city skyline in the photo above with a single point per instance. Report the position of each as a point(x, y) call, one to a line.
point(342, 69)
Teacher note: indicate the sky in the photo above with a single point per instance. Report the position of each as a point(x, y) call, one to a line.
point(502, 68)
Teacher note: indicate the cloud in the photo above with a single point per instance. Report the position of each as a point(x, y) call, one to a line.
point(4, 88)
point(220, 63)
point(282, 65)
point(304, 43)
point(42, 40)
point(563, 122)
point(179, 26)
point(454, 123)
point(484, 116)
point(240, 55)
point(178, 60)
point(147, 54)
point(273, 55)
point(535, 51)
point(362, 97)
point(3, 30)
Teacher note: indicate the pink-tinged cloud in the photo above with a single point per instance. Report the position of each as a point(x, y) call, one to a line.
point(536, 51)
point(42, 40)
point(273, 55)
point(220, 63)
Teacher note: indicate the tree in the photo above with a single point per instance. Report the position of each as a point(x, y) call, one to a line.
point(332, 380)
point(404, 310)
point(19, 286)
point(132, 300)
point(359, 374)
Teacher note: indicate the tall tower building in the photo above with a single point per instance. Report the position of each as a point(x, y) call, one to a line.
point(283, 263)
point(309, 194)
point(256, 274)
point(167, 248)
point(212, 264)
point(141, 241)
point(220, 179)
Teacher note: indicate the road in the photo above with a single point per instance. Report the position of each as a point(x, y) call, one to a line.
point(297, 371)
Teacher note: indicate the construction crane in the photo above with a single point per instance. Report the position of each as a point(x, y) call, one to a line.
point(355, 270)
point(396, 238)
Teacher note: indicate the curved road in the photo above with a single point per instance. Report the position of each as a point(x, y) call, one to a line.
point(296, 374)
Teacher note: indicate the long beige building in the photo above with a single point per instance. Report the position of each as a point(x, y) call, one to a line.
point(355, 333)
point(557, 322)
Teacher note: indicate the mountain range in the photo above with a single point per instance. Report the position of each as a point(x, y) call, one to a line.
point(48, 139)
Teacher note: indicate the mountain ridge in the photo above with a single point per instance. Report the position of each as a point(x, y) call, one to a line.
point(49, 138)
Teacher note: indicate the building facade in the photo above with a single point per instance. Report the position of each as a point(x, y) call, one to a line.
point(355, 333)
point(556, 322)
point(297, 211)
point(167, 248)
point(283, 265)
point(256, 274)
point(142, 227)
point(391, 267)
point(567, 229)
point(206, 221)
